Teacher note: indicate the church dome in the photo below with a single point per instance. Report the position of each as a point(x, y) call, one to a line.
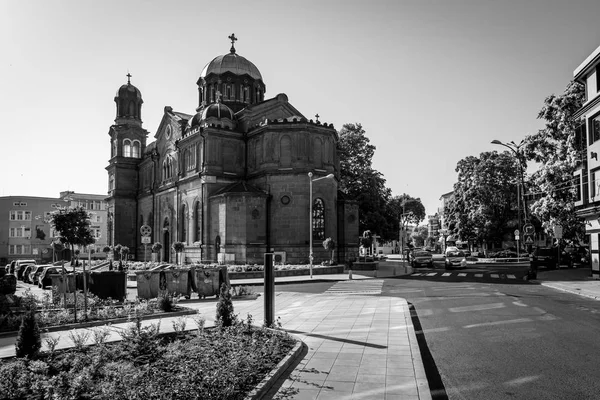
point(233, 63)
point(128, 91)
point(217, 110)
point(195, 120)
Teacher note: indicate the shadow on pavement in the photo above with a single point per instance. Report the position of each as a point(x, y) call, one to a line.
point(436, 386)
point(565, 274)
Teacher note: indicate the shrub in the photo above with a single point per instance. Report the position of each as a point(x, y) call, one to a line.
point(29, 340)
point(8, 284)
point(225, 316)
point(165, 302)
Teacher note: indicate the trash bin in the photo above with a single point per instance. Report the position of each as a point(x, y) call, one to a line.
point(108, 284)
point(63, 283)
point(177, 281)
point(148, 284)
point(208, 281)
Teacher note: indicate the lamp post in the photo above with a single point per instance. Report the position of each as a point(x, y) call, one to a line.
point(512, 146)
point(310, 216)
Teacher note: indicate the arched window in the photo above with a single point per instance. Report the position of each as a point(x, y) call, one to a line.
point(318, 216)
point(135, 149)
point(183, 221)
point(197, 222)
point(131, 111)
point(285, 151)
point(126, 148)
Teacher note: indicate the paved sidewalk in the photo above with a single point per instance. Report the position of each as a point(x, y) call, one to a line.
point(359, 346)
point(577, 281)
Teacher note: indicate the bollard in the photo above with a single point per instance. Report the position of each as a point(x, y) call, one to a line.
point(349, 274)
point(269, 290)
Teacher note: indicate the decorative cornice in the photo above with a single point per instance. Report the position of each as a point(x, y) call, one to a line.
point(587, 107)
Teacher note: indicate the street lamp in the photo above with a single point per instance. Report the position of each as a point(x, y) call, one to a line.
point(310, 216)
point(512, 146)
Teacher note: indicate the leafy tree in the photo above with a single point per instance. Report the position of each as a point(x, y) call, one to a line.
point(329, 244)
point(73, 226)
point(558, 148)
point(362, 183)
point(484, 204)
point(225, 316)
point(420, 235)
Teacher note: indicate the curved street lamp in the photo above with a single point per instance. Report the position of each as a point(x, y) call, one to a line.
point(310, 216)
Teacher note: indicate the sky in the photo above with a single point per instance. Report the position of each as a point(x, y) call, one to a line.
point(431, 81)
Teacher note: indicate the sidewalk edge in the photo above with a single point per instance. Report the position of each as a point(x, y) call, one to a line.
point(419, 368)
point(569, 290)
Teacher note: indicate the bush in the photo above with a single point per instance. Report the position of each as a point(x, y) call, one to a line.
point(165, 302)
point(225, 316)
point(29, 341)
point(8, 284)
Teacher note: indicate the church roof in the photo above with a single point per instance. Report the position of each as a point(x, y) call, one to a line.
point(233, 63)
point(238, 188)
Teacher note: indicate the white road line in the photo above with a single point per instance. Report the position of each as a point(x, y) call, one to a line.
point(478, 275)
point(478, 307)
point(433, 330)
point(356, 287)
point(446, 274)
point(462, 274)
point(510, 321)
point(495, 276)
point(432, 274)
point(511, 277)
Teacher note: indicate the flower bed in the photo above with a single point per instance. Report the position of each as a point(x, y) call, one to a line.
point(279, 272)
point(208, 364)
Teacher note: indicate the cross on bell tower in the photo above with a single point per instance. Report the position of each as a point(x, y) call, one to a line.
point(233, 40)
point(128, 78)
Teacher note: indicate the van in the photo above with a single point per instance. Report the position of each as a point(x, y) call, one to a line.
point(20, 267)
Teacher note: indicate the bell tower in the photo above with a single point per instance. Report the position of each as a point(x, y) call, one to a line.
point(127, 144)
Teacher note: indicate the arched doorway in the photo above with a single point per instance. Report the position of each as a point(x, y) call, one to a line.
point(166, 241)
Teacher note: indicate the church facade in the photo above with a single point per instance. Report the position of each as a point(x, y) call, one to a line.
point(232, 180)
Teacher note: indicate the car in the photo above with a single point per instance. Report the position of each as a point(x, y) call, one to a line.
point(544, 257)
point(573, 256)
point(26, 271)
point(34, 275)
point(421, 258)
point(20, 267)
point(45, 279)
point(455, 259)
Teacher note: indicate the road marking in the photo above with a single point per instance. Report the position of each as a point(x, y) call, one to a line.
point(510, 321)
point(452, 287)
point(478, 275)
point(432, 274)
point(462, 274)
point(511, 277)
point(495, 276)
point(479, 307)
point(434, 330)
point(356, 287)
point(446, 274)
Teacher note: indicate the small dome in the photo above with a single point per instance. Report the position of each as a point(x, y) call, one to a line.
point(217, 110)
point(233, 63)
point(195, 120)
point(129, 91)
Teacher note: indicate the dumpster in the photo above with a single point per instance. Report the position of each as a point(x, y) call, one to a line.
point(177, 281)
point(209, 280)
point(63, 283)
point(148, 284)
point(108, 284)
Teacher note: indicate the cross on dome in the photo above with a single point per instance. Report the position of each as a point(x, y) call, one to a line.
point(218, 97)
point(233, 40)
point(128, 78)
point(317, 117)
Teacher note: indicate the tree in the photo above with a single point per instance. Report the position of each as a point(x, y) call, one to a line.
point(362, 183)
point(484, 204)
point(329, 244)
point(29, 340)
point(558, 148)
point(420, 235)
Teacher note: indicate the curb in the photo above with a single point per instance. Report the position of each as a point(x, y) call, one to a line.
point(578, 292)
point(424, 393)
point(265, 385)
point(68, 327)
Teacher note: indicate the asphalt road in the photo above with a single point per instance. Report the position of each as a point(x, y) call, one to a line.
point(499, 339)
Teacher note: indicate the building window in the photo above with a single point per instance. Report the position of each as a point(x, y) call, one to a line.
point(183, 221)
point(595, 129)
point(197, 222)
point(318, 216)
point(20, 215)
point(126, 148)
point(578, 188)
point(246, 94)
point(594, 189)
point(19, 249)
point(111, 182)
point(135, 149)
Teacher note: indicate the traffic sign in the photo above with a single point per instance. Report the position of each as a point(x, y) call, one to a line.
point(146, 239)
point(517, 237)
point(528, 239)
point(529, 229)
point(145, 230)
point(517, 232)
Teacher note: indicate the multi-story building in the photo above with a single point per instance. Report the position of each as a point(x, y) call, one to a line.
point(588, 176)
point(25, 229)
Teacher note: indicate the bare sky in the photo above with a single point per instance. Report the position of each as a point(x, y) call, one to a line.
point(430, 81)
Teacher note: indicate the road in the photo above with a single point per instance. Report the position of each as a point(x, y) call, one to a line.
point(496, 338)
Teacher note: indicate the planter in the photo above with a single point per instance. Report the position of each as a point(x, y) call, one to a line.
point(364, 266)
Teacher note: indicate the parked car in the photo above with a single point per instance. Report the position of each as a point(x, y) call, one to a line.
point(422, 258)
point(455, 259)
point(20, 267)
point(573, 256)
point(26, 271)
point(544, 257)
point(34, 275)
point(44, 279)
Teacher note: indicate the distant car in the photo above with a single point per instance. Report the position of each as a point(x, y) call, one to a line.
point(26, 271)
point(544, 257)
point(422, 258)
point(34, 275)
point(44, 279)
point(20, 267)
point(455, 259)
point(574, 256)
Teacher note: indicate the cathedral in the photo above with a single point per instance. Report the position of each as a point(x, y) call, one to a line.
point(243, 176)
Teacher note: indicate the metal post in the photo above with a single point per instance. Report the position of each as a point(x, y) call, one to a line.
point(269, 289)
point(310, 223)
